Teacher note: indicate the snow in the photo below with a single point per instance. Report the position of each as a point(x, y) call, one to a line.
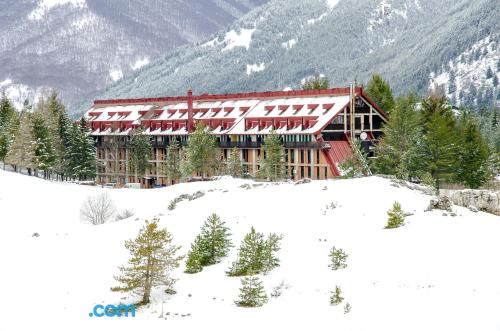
point(468, 71)
point(238, 39)
point(116, 74)
point(289, 44)
point(5, 82)
point(140, 63)
point(44, 6)
point(332, 3)
point(435, 273)
point(251, 68)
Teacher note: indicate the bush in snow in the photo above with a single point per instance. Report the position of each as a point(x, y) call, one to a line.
point(124, 214)
point(97, 209)
point(256, 254)
point(278, 290)
point(338, 258)
point(210, 246)
point(173, 203)
point(252, 293)
point(336, 296)
point(396, 216)
point(153, 259)
point(347, 308)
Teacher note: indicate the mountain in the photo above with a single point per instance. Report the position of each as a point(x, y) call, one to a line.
point(80, 46)
point(278, 45)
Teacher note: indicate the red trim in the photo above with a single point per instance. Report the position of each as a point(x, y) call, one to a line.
point(250, 95)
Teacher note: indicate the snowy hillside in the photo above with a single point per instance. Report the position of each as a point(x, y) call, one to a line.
point(435, 273)
point(472, 77)
point(279, 44)
point(80, 46)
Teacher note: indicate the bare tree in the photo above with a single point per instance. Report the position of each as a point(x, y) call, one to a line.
point(124, 214)
point(97, 209)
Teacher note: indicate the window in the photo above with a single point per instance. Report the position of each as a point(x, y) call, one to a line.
point(301, 156)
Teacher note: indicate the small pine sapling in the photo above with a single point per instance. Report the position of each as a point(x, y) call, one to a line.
point(396, 216)
point(252, 293)
point(336, 296)
point(338, 258)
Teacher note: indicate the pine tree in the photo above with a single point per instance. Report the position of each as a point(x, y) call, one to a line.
point(153, 259)
point(452, 86)
point(7, 111)
point(336, 297)
point(252, 293)
point(140, 151)
point(380, 91)
point(9, 123)
point(22, 151)
point(217, 243)
point(255, 254)
point(173, 163)
point(273, 165)
point(473, 155)
point(489, 73)
point(195, 256)
point(396, 216)
point(398, 148)
point(438, 151)
point(234, 166)
point(201, 154)
point(338, 258)
point(271, 247)
point(80, 156)
point(210, 246)
point(45, 155)
point(316, 83)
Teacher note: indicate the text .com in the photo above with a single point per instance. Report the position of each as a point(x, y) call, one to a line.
point(113, 311)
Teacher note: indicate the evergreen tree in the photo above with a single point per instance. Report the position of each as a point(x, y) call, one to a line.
point(256, 254)
point(210, 246)
point(45, 155)
point(9, 123)
point(7, 112)
point(201, 154)
point(489, 73)
point(436, 103)
point(153, 259)
point(495, 80)
point(336, 296)
point(338, 258)
point(396, 216)
point(252, 293)
point(273, 165)
point(438, 151)
point(379, 90)
point(398, 147)
point(140, 151)
point(452, 86)
point(80, 156)
point(234, 166)
point(173, 163)
point(271, 247)
point(473, 155)
point(217, 242)
point(22, 152)
point(195, 256)
point(316, 83)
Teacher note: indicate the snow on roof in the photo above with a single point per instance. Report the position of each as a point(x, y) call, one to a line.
point(308, 114)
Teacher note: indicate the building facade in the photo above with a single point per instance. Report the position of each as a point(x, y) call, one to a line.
point(316, 128)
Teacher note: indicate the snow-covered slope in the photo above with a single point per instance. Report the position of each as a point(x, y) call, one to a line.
point(435, 273)
point(290, 40)
point(80, 46)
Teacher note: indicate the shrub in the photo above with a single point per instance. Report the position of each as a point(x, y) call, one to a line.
point(97, 209)
point(336, 296)
point(252, 293)
point(396, 216)
point(124, 214)
point(338, 258)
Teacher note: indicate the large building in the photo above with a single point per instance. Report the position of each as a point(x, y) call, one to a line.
point(316, 128)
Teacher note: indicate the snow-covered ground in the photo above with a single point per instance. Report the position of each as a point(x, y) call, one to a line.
point(435, 273)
